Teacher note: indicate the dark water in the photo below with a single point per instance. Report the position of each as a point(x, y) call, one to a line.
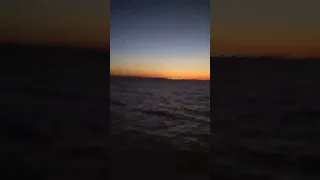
point(54, 122)
point(176, 112)
point(266, 120)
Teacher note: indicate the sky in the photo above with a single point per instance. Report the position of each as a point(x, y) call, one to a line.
point(82, 23)
point(167, 38)
point(265, 27)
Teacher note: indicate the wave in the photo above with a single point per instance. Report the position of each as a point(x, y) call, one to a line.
point(178, 112)
point(161, 113)
point(117, 103)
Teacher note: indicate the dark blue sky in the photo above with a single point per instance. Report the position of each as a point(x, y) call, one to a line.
point(169, 38)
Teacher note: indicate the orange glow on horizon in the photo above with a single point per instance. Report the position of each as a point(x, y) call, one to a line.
point(178, 71)
point(167, 74)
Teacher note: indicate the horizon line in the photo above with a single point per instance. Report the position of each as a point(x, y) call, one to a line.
point(154, 77)
point(54, 45)
point(263, 55)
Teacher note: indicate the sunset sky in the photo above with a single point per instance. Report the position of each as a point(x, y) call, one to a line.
point(168, 37)
point(269, 27)
point(160, 38)
point(81, 23)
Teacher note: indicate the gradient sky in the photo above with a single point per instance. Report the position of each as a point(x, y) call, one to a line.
point(66, 22)
point(167, 38)
point(272, 27)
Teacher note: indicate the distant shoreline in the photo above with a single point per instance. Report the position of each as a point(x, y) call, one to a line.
point(42, 46)
point(158, 78)
point(265, 58)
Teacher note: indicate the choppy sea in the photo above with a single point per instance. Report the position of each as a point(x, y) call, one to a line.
point(174, 112)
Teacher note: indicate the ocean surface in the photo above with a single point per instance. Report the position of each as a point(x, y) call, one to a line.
point(265, 119)
point(265, 122)
point(54, 118)
point(160, 111)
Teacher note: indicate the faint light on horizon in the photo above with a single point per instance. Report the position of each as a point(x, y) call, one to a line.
point(174, 78)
